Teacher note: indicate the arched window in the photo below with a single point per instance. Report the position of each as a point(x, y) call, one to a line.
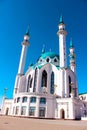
point(42, 100)
point(35, 80)
point(33, 100)
point(52, 83)
point(70, 87)
point(31, 83)
point(55, 60)
point(24, 99)
point(28, 84)
point(44, 79)
point(47, 59)
point(18, 99)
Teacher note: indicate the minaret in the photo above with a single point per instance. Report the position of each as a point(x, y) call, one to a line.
point(25, 45)
point(62, 43)
point(72, 57)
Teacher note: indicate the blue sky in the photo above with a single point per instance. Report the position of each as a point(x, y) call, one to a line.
point(42, 16)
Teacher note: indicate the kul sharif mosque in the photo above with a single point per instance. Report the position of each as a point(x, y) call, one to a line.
point(48, 89)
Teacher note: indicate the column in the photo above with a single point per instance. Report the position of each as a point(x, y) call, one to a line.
point(37, 107)
point(71, 110)
point(66, 84)
point(28, 106)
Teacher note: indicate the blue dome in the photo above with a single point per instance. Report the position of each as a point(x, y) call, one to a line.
point(49, 54)
point(47, 57)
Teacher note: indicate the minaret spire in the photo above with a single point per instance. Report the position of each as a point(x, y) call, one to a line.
point(25, 45)
point(72, 57)
point(61, 19)
point(43, 49)
point(71, 43)
point(27, 31)
point(62, 43)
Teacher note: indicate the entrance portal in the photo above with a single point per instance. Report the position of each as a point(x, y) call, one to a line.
point(62, 114)
point(7, 110)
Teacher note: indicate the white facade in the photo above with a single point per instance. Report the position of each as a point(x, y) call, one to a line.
point(49, 88)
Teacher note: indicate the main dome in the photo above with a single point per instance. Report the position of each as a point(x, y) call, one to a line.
point(45, 58)
point(48, 57)
point(48, 54)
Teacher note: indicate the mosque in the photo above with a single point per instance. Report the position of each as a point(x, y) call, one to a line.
point(49, 88)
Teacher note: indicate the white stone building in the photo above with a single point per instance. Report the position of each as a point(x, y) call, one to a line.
point(48, 89)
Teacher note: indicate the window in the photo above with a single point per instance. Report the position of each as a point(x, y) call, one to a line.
point(40, 60)
point(44, 79)
point(84, 113)
point(33, 100)
point(43, 100)
point(47, 59)
point(52, 83)
point(32, 111)
point(23, 110)
point(55, 60)
point(17, 110)
point(35, 80)
point(18, 99)
point(24, 99)
point(28, 84)
point(31, 83)
point(42, 111)
point(84, 105)
point(70, 87)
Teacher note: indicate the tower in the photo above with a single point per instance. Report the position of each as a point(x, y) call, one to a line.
point(25, 45)
point(72, 57)
point(62, 43)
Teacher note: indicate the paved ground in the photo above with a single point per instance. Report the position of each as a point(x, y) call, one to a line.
point(14, 123)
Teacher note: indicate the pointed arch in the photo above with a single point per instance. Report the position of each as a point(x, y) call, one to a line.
point(52, 83)
point(44, 79)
